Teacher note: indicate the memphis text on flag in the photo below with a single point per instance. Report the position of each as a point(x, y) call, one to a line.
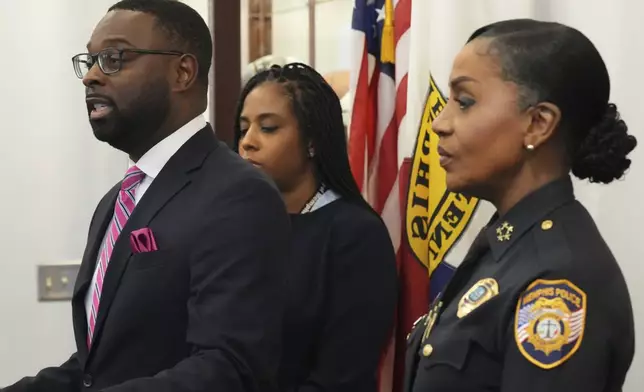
point(435, 218)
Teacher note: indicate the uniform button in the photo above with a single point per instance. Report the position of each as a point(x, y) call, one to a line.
point(546, 224)
point(87, 381)
point(427, 350)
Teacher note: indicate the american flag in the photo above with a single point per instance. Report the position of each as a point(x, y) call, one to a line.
point(379, 83)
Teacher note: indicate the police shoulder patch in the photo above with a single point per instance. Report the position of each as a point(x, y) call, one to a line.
point(549, 322)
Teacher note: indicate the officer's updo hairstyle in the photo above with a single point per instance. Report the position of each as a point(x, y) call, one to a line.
point(551, 62)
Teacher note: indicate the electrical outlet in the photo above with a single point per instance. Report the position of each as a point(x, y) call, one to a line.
point(56, 281)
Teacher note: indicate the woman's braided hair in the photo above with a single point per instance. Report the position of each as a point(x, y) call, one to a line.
point(319, 115)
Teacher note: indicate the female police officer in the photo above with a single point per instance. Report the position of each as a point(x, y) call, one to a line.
point(539, 303)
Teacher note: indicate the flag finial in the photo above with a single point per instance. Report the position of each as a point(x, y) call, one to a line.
point(387, 48)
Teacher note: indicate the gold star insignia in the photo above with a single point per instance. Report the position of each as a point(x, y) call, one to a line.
point(504, 232)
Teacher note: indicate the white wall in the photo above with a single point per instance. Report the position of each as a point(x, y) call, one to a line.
point(244, 33)
point(333, 23)
point(53, 171)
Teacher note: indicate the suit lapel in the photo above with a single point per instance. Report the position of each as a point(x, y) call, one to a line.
point(174, 177)
point(98, 226)
point(102, 218)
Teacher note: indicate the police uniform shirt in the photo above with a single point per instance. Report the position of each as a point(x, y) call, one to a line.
point(538, 304)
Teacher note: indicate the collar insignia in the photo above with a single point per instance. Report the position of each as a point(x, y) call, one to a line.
point(504, 232)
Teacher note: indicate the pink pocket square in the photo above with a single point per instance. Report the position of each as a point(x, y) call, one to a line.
point(142, 240)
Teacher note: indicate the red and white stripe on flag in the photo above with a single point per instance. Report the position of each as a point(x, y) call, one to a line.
point(379, 84)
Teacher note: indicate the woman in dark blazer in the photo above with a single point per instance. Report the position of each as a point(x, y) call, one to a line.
point(343, 281)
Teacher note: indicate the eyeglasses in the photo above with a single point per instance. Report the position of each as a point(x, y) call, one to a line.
point(111, 60)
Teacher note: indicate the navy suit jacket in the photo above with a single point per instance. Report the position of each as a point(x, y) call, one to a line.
point(204, 311)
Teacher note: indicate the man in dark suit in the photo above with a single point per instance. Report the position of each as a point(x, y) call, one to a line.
point(181, 293)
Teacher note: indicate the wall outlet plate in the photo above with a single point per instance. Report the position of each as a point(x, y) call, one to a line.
point(56, 281)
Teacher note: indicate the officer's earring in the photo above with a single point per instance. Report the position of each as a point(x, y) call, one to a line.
point(311, 152)
point(529, 147)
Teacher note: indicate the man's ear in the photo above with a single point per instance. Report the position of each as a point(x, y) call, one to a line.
point(186, 72)
point(544, 120)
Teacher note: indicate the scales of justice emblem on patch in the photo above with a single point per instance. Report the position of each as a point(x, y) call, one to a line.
point(549, 322)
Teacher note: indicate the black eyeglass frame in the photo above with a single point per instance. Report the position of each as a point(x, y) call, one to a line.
point(97, 58)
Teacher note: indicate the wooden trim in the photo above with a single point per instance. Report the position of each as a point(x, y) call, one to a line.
point(260, 26)
point(225, 85)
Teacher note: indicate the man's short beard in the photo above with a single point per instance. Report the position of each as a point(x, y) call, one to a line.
point(135, 129)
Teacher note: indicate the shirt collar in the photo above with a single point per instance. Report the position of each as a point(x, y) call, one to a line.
point(504, 231)
point(155, 159)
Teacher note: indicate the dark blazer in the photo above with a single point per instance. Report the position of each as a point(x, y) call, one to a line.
point(203, 312)
point(342, 306)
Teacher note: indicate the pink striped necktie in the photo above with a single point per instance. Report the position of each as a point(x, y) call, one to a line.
point(122, 211)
